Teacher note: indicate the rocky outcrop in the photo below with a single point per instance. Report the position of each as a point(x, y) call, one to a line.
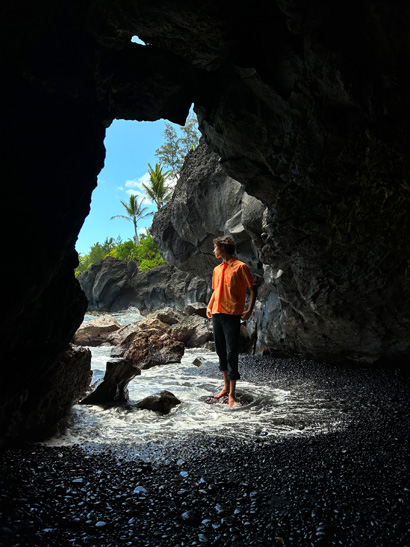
point(113, 285)
point(96, 331)
point(106, 282)
point(312, 298)
point(113, 388)
point(207, 203)
point(45, 404)
point(307, 108)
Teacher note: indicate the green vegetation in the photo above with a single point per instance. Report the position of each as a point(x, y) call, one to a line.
point(172, 153)
point(157, 188)
point(135, 212)
point(146, 254)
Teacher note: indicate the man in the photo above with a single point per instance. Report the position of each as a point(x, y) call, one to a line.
point(226, 307)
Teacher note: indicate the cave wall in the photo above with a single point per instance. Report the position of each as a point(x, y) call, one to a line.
point(306, 106)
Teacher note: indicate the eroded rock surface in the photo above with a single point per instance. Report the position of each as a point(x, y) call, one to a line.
point(37, 410)
point(113, 285)
point(113, 388)
point(307, 108)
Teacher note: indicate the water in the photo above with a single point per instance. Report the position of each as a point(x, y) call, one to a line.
point(265, 410)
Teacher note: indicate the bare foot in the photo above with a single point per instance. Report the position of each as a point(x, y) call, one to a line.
point(231, 401)
point(222, 393)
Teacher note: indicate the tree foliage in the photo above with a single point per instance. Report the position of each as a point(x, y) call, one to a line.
point(135, 212)
point(172, 153)
point(97, 252)
point(157, 188)
point(146, 254)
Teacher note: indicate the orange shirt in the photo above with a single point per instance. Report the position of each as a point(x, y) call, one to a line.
point(229, 282)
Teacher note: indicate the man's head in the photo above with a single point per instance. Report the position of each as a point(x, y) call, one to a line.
point(225, 244)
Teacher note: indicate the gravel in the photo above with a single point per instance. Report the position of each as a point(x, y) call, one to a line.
point(347, 486)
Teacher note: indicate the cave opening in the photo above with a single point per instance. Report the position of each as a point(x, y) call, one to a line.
point(130, 147)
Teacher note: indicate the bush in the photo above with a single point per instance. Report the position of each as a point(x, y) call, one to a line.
point(146, 255)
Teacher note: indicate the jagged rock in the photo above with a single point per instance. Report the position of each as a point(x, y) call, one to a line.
point(184, 228)
point(152, 348)
point(194, 331)
point(149, 350)
point(106, 281)
point(197, 308)
point(119, 336)
point(164, 402)
point(169, 316)
point(96, 331)
point(113, 388)
point(39, 409)
point(113, 285)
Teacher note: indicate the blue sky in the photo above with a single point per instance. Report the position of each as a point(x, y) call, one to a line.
point(130, 146)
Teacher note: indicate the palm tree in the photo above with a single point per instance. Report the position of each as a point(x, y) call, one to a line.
point(135, 212)
point(157, 189)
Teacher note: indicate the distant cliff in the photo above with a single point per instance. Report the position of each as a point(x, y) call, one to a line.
point(113, 285)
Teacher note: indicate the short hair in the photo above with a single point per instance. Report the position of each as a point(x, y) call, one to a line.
point(227, 243)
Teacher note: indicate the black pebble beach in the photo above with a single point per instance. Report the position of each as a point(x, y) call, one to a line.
point(347, 486)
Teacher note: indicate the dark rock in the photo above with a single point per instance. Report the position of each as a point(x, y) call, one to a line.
point(197, 308)
point(185, 228)
point(106, 281)
point(194, 331)
point(152, 348)
point(164, 402)
point(40, 409)
point(113, 388)
point(114, 285)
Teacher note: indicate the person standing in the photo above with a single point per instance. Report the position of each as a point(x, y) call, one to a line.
point(230, 280)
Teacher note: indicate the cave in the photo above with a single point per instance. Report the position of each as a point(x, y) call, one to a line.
point(306, 107)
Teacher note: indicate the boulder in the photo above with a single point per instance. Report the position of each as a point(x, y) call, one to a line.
point(113, 388)
point(96, 331)
point(153, 348)
point(194, 331)
point(164, 402)
point(197, 308)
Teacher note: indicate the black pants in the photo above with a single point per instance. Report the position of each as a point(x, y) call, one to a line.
point(226, 334)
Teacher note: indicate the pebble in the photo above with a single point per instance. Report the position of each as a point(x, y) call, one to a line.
point(344, 486)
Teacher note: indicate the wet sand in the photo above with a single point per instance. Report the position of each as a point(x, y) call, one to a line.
point(348, 486)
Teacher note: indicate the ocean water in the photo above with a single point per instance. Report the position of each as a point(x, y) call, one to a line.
point(263, 409)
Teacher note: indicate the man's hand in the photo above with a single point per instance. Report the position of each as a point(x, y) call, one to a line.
point(246, 314)
point(208, 313)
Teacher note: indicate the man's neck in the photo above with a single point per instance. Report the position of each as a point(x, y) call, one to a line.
point(227, 258)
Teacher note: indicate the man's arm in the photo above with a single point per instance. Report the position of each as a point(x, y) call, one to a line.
point(209, 307)
point(247, 313)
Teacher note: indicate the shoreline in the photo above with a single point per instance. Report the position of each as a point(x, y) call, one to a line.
point(350, 486)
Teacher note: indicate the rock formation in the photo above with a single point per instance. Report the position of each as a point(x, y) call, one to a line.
point(307, 108)
point(37, 412)
point(164, 402)
point(113, 388)
point(96, 331)
point(113, 285)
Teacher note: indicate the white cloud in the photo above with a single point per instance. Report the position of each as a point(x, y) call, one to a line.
point(134, 187)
